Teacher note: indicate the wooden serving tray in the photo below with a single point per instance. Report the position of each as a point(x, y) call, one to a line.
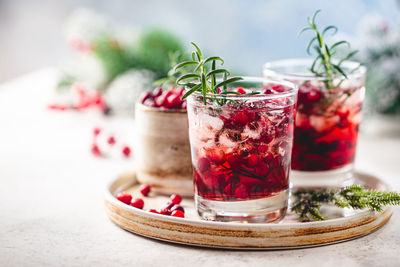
point(341, 225)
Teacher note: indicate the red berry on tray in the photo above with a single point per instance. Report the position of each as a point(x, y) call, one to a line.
point(111, 140)
point(124, 197)
point(145, 189)
point(144, 96)
point(178, 213)
point(165, 212)
point(178, 207)
point(176, 199)
point(96, 150)
point(137, 203)
point(126, 151)
point(153, 210)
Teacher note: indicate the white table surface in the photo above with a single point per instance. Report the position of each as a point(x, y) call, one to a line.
point(51, 194)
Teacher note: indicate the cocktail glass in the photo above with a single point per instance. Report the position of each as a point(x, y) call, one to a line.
point(241, 149)
point(327, 121)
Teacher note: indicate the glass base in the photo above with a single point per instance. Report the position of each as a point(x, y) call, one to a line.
point(332, 178)
point(262, 210)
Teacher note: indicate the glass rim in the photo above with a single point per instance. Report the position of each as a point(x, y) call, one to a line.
point(268, 69)
point(251, 79)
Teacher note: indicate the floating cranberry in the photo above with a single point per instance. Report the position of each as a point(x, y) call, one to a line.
point(216, 156)
point(262, 169)
point(126, 151)
point(96, 150)
point(176, 199)
point(137, 203)
point(242, 191)
point(234, 160)
point(241, 90)
point(145, 189)
point(239, 119)
point(263, 148)
point(111, 140)
point(252, 160)
point(124, 197)
point(314, 95)
point(178, 213)
point(203, 164)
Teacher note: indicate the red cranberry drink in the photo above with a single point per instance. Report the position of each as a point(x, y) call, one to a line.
point(241, 149)
point(327, 119)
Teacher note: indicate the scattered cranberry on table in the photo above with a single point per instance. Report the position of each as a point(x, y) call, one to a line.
point(145, 189)
point(124, 197)
point(137, 203)
point(161, 98)
point(111, 140)
point(126, 151)
point(176, 199)
point(96, 150)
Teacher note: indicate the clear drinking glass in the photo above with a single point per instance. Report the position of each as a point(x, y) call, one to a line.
point(327, 120)
point(241, 148)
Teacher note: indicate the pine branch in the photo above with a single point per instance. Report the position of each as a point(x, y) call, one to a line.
point(308, 202)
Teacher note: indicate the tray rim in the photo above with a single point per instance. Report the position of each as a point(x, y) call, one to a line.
point(368, 219)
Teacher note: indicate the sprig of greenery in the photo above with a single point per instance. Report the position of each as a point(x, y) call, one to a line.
point(308, 202)
point(203, 79)
point(324, 63)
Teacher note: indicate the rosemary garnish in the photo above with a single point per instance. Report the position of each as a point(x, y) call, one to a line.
point(308, 201)
point(204, 80)
point(325, 64)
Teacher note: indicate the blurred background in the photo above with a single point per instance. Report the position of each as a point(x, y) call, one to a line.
point(41, 33)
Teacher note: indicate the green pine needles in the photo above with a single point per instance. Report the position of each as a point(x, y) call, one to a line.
point(325, 64)
point(203, 77)
point(308, 202)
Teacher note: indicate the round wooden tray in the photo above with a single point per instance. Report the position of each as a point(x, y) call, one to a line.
point(341, 225)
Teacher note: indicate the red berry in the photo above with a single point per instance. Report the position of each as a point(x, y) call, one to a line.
point(169, 206)
point(216, 156)
point(178, 213)
point(174, 101)
point(177, 207)
point(137, 203)
point(176, 199)
point(234, 160)
point(165, 212)
point(241, 90)
point(203, 164)
point(144, 96)
point(124, 197)
point(252, 160)
point(242, 191)
point(96, 131)
point(96, 150)
point(111, 140)
point(262, 148)
point(126, 151)
point(240, 119)
point(314, 95)
point(153, 211)
point(262, 169)
point(145, 189)
point(157, 92)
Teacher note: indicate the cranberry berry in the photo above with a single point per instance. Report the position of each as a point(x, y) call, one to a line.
point(145, 189)
point(178, 213)
point(124, 197)
point(176, 199)
point(138, 203)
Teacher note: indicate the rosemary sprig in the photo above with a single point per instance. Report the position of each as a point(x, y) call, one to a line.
point(325, 64)
point(203, 78)
point(308, 202)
